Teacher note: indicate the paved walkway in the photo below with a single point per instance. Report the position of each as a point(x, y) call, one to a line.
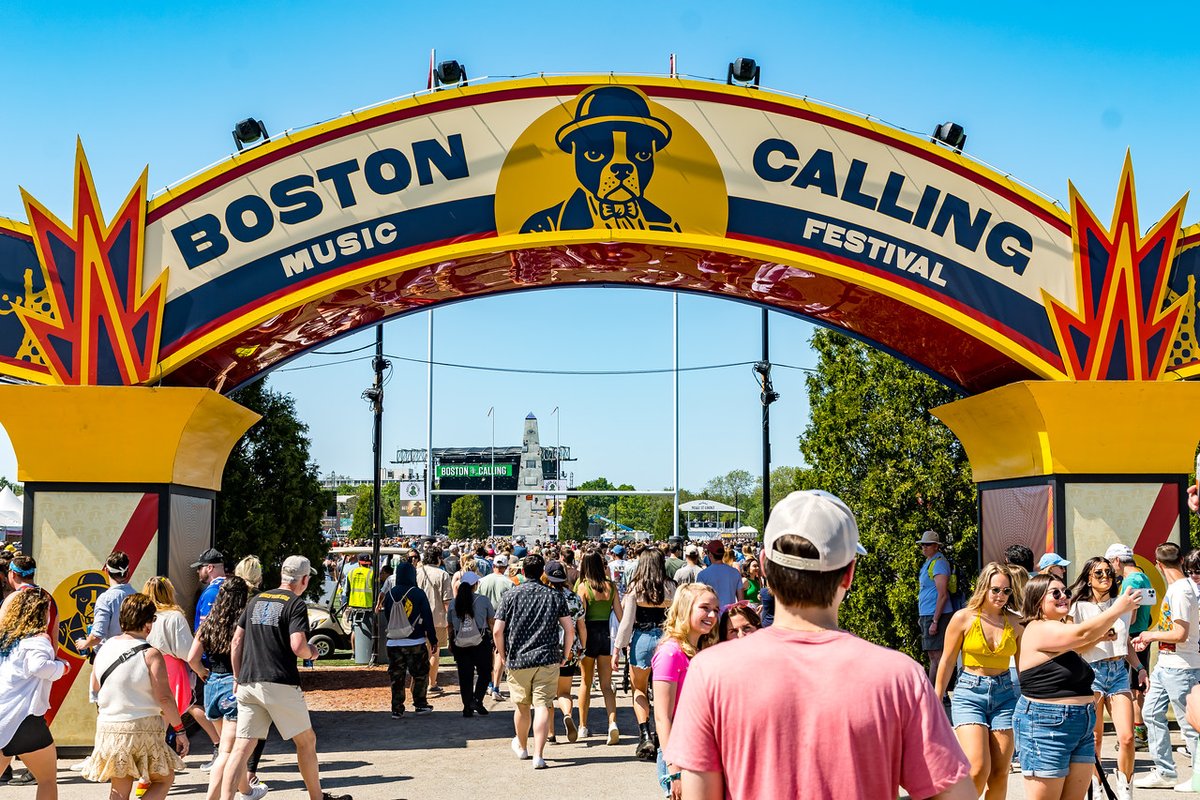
point(373, 757)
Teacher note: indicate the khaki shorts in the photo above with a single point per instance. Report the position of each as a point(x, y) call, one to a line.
point(260, 704)
point(443, 636)
point(534, 686)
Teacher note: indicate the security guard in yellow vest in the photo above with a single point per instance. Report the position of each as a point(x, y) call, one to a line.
point(358, 585)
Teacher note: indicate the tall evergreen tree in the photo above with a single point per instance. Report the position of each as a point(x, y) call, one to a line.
point(271, 501)
point(872, 441)
point(466, 518)
point(573, 525)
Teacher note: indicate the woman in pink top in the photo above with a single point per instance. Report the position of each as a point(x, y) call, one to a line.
point(691, 626)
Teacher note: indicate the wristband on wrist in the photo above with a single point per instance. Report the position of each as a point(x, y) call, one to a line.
point(177, 728)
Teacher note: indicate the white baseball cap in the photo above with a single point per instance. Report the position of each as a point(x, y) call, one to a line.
point(822, 519)
point(1122, 552)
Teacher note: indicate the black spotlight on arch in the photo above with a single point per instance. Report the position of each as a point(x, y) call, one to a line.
point(950, 134)
point(744, 71)
point(449, 73)
point(249, 131)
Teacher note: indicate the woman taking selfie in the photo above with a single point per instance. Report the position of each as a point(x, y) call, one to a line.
point(988, 634)
point(1111, 659)
point(1056, 715)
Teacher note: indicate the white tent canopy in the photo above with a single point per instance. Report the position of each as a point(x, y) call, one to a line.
point(706, 505)
point(12, 509)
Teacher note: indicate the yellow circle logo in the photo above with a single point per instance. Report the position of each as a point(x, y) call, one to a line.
point(75, 598)
point(611, 160)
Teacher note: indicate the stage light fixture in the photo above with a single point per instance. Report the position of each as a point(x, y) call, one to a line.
point(744, 71)
point(950, 134)
point(449, 73)
point(249, 131)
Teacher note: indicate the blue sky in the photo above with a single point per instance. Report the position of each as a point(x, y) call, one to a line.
point(1046, 93)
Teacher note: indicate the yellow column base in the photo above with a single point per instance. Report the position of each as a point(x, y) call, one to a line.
point(121, 434)
point(1038, 428)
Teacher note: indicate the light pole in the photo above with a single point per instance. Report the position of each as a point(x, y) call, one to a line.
point(557, 465)
point(492, 499)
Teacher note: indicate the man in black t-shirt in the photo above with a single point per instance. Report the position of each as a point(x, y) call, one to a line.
point(271, 635)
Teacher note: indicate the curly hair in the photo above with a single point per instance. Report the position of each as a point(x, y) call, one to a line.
point(678, 626)
point(27, 615)
point(216, 632)
point(137, 611)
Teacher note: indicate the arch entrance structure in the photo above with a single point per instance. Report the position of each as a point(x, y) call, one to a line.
point(1070, 338)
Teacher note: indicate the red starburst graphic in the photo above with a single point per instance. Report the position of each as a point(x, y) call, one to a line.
point(102, 328)
point(1123, 328)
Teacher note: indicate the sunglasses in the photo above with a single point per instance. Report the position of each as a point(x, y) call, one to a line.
point(1059, 594)
point(997, 590)
point(1102, 573)
point(1193, 572)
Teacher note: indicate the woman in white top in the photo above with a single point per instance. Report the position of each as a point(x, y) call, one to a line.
point(129, 679)
point(27, 669)
point(172, 636)
point(1111, 658)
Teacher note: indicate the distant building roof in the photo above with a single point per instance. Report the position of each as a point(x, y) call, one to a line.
point(705, 505)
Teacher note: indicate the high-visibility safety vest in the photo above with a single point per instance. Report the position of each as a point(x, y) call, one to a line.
point(359, 581)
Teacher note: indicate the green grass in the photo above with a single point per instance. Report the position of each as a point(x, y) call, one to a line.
point(342, 659)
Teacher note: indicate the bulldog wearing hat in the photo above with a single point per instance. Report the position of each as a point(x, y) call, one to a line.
point(614, 139)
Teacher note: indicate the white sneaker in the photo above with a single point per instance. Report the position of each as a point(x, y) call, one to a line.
point(1185, 787)
point(1124, 791)
point(499, 698)
point(1155, 779)
point(584, 732)
point(78, 767)
point(256, 793)
point(614, 733)
point(539, 763)
point(521, 752)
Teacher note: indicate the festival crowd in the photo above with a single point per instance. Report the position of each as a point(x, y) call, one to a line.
point(1031, 663)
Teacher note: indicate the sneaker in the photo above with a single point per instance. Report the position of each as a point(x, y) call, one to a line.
point(572, 730)
point(423, 710)
point(79, 766)
point(468, 712)
point(614, 733)
point(522, 753)
point(1123, 789)
point(332, 796)
point(254, 781)
point(1183, 750)
point(1155, 779)
point(256, 793)
point(481, 710)
point(552, 739)
point(499, 698)
point(208, 765)
point(584, 732)
point(436, 690)
point(7, 775)
point(540, 763)
point(1186, 786)
point(397, 715)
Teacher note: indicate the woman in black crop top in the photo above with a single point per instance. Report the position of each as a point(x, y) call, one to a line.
point(1056, 714)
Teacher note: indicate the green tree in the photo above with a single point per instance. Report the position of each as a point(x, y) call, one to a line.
point(17, 488)
point(466, 518)
point(271, 501)
point(872, 441)
point(664, 526)
point(573, 525)
point(784, 481)
point(598, 504)
point(391, 502)
point(635, 510)
point(362, 526)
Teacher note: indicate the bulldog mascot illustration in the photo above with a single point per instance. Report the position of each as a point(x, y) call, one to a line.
point(614, 139)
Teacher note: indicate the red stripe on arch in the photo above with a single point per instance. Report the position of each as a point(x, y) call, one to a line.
point(1164, 513)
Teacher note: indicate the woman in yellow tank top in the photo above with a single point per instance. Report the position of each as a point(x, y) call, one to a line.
point(988, 634)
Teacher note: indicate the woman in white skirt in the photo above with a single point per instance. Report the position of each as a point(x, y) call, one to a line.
point(28, 667)
point(133, 740)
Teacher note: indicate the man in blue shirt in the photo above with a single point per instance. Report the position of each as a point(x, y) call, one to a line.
point(933, 599)
point(725, 580)
point(211, 569)
point(106, 619)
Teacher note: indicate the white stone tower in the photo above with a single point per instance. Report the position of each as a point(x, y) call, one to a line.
point(530, 517)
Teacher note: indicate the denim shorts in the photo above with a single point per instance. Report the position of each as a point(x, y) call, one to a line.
point(219, 702)
point(641, 647)
point(1052, 737)
point(987, 700)
point(1112, 676)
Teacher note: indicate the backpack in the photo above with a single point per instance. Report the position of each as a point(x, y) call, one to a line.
point(398, 624)
point(957, 598)
point(469, 633)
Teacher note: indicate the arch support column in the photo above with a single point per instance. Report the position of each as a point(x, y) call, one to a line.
point(1076, 466)
point(114, 468)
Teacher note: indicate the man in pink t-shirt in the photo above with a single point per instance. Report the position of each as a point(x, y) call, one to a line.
point(826, 714)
